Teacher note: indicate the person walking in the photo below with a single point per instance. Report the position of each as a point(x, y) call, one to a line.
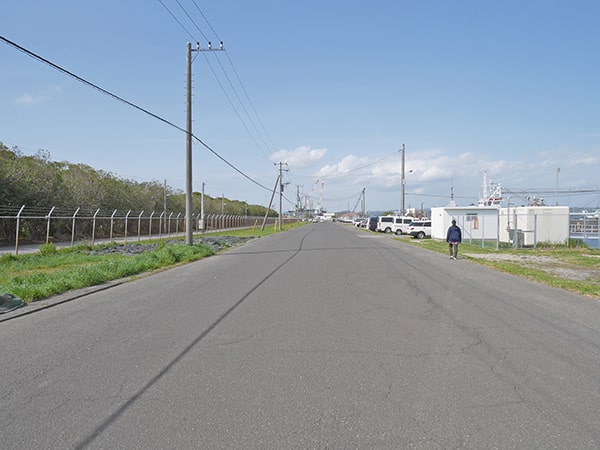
point(453, 238)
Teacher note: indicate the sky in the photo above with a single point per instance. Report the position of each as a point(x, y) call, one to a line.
point(332, 89)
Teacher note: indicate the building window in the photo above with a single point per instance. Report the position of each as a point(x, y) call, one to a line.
point(474, 219)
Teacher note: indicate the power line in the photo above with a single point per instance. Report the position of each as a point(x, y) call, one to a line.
point(205, 19)
point(177, 20)
point(237, 77)
point(232, 105)
point(243, 107)
point(127, 102)
point(251, 103)
point(227, 96)
point(191, 20)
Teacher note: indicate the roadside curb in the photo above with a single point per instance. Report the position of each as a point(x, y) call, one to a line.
point(58, 300)
point(83, 292)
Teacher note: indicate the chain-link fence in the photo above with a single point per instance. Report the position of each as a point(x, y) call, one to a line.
point(22, 225)
point(585, 227)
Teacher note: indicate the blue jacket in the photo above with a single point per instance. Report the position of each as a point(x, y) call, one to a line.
point(454, 234)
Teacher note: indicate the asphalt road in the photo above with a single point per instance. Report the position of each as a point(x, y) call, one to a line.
point(322, 337)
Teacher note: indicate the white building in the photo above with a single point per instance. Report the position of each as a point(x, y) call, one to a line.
point(521, 226)
point(476, 222)
point(535, 224)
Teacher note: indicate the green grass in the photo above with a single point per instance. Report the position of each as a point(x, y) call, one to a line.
point(41, 275)
point(541, 264)
point(257, 232)
point(51, 271)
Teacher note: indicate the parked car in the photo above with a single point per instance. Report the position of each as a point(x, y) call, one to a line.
point(372, 223)
point(420, 229)
point(394, 224)
point(385, 224)
point(402, 223)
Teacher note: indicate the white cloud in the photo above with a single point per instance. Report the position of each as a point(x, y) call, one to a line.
point(29, 99)
point(347, 165)
point(430, 175)
point(300, 158)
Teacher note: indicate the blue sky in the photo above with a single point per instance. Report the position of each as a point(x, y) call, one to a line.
point(333, 88)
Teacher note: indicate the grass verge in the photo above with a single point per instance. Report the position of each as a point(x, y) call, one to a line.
point(51, 271)
point(41, 275)
point(257, 232)
point(573, 269)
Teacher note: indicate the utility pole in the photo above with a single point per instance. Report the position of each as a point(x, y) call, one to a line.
point(298, 204)
point(270, 204)
point(403, 180)
point(364, 204)
point(281, 185)
point(189, 237)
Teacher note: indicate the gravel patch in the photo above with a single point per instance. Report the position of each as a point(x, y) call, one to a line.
point(218, 243)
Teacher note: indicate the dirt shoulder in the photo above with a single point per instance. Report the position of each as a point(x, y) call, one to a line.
point(552, 265)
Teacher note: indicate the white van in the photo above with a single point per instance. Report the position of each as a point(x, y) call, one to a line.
point(394, 224)
point(420, 228)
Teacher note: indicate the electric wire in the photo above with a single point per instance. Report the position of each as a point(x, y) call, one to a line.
point(238, 78)
point(243, 107)
point(258, 132)
point(224, 72)
point(227, 96)
point(250, 102)
point(232, 105)
point(191, 20)
point(205, 19)
point(177, 20)
point(126, 102)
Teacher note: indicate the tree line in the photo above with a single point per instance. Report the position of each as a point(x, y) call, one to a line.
point(38, 182)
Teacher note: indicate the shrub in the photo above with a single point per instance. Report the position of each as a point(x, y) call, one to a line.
point(48, 249)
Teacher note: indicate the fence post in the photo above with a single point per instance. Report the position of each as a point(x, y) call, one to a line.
point(140, 224)
point(73, 230)
point(534, 230)
point(169, 225)
point(112, 219)
point(48, 225)
point(483, 232)
point(160, 224)
point(498, 231)
point(18, 228)
point(177, 223)
point(94, 226)
point(126, 218)
point(150, 226)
